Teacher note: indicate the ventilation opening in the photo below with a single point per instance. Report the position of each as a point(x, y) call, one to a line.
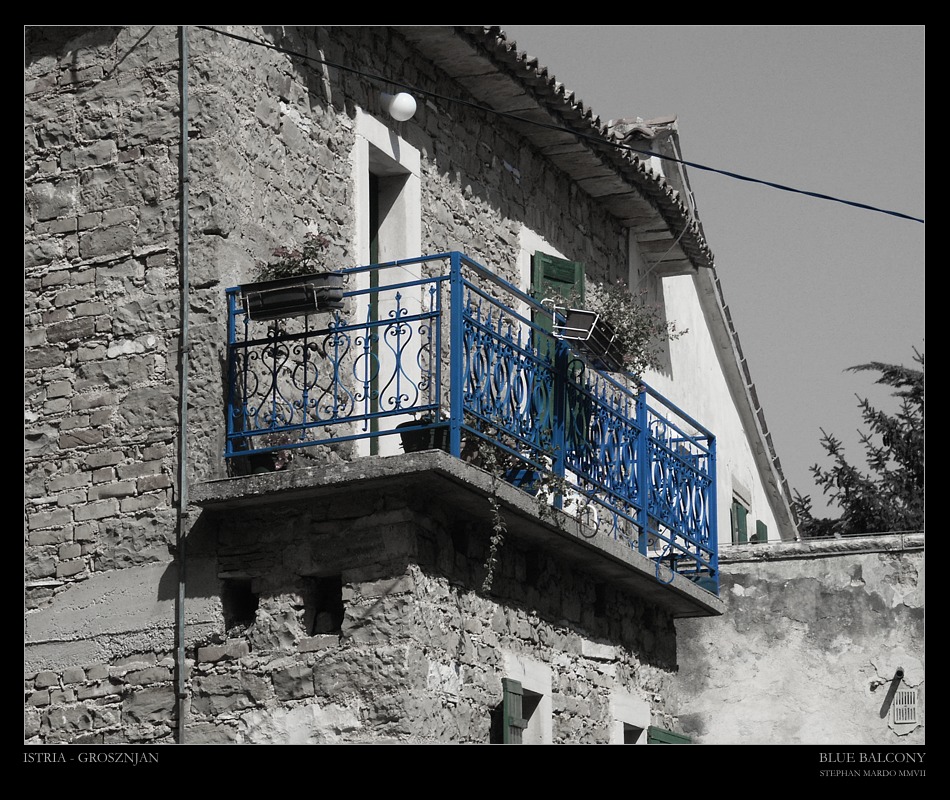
point(905, 707)
point(327, 605)
point(239, 603)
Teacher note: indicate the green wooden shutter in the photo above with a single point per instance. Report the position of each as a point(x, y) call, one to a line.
point(513, 723)
point(556, 277)
point(761, 531)
point(740, 529)
point(553, 277)
point(660, 736)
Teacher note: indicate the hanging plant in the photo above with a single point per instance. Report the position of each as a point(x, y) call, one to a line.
point(290, 284)
point(618, 330)
point(289, 262)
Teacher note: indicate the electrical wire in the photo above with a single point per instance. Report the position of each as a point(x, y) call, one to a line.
point(590, 137)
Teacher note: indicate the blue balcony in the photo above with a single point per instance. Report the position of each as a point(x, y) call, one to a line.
point(441, 350)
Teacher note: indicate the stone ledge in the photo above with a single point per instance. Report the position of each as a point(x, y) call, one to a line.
point(463, 489)
point(817, 548)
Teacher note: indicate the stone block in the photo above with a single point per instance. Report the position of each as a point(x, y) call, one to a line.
point(69, 550)
point(67, 569)
point(132, 505)
point(233, 648)
point(294, 682)
point(42, 358)
point(106, 241)
point(96, 691)
point(54, 199)
point(97, 672)
point(102, 152)
point(49, 519)
point(49, 537)
point(150, 483)
point(39, 698)
point(61, 696)
point(211, 733)
point(89, 400)
point(45, 679)
point(107, 490)
point(99, 510)
point(81, 438)
point(152, 704)
point(103, 458)
point(311, 644)
point(148, 675)
point(226, 694)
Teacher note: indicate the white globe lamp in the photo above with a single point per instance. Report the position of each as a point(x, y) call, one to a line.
point(400, 106)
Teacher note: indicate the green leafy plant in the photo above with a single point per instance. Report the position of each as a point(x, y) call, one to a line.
point(889, 494)
point(281, 458)
point(640, 331)
point(494, 461)
point(290, 262)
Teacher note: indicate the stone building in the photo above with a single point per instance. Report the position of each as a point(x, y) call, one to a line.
point(363, 593)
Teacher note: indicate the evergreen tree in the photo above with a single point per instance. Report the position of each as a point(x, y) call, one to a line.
point(890, 495)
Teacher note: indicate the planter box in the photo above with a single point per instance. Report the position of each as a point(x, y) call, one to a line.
point(594, 337)
point(293, 297)
point(416, 438)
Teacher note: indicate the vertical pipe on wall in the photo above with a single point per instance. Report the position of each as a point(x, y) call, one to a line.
point(183, 391)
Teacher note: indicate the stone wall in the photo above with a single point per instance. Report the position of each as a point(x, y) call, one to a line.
point(418, 653)
point(808, 648)
point(270, 140)
point(414, 653)
point(101, 320)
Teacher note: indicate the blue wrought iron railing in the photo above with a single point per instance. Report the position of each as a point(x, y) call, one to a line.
point(466, 360)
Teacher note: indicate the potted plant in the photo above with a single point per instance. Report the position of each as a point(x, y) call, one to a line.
point(617, 330)
point(291, 286)
point(416, 438)
point(595, 336)
point(275, 460)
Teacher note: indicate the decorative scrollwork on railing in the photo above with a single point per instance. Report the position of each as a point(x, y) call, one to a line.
point(400, 391)
point(333, 399)
point(508, 382)
point(623, 469)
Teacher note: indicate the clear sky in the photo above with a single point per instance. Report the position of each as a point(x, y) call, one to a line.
point(814, 286)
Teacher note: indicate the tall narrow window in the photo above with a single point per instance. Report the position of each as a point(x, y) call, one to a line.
point(524, 715)
point(740, 522)
point(387, 194)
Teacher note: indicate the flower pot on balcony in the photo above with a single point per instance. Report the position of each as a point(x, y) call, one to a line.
point(294, 296)
point(416, 438)
point(261, 463)
point(596, 338)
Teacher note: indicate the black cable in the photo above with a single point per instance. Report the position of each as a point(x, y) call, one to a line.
point(591, 137)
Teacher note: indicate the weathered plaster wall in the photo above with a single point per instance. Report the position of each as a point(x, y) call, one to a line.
point(696, 382)
point(809, 644)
